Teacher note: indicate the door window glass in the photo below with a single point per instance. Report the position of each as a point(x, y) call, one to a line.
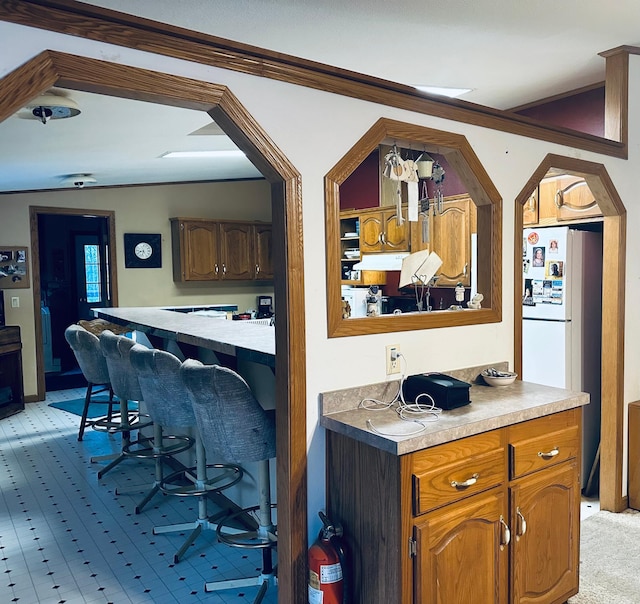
point(92, 272)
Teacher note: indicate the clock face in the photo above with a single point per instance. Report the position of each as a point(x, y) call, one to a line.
point(143, 250)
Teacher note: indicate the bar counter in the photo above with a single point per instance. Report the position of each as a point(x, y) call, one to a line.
point(240, 339)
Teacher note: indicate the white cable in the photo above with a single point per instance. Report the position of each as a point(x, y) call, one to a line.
point(417, 412)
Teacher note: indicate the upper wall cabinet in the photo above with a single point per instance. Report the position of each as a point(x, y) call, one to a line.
point(214, 250)
point(560, 198)
point(487, 209)
point(449, 235)
point(380, 231)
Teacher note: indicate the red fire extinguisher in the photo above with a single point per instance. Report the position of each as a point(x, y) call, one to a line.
point(327, 576)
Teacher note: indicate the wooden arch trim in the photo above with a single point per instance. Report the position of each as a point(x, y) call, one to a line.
point(613, 312)
point(95, 23)
point(52, 68)
point(463, 159)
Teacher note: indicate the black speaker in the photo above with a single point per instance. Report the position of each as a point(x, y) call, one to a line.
point(447, 392)
point(1, 308)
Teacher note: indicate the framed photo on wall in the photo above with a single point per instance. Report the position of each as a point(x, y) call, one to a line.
point(14, 267)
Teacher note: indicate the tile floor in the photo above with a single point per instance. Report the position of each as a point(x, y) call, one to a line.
point(66, 537)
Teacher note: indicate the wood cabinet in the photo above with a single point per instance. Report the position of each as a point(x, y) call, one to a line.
point(531, 208)
point(213, 250)
point(351, 254)
point(562, 199)
point(449, 237)
point(491, 518)
point(381, 232)
point(11, 386)
point(262, 235)
point(461, 553)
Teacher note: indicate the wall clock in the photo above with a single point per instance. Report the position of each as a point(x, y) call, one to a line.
point(142, 250)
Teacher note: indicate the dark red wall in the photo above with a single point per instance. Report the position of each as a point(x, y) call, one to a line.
point(360, 189)
point(583, 112)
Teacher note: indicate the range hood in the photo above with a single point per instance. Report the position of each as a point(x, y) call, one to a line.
point(381, 262)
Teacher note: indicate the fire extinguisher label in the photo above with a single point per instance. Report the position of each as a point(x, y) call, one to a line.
point(330, 573)
point(315, 595)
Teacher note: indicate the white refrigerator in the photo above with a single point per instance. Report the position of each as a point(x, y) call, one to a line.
point(562, 319)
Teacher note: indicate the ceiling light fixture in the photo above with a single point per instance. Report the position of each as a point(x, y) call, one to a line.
point(202, 154)
point(447, 91)
point(78, 180)
point(50, 106)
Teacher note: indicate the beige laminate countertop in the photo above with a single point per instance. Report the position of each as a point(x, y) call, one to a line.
point(490, 408)
point(241, 339)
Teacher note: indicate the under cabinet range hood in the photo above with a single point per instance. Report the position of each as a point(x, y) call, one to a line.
point(381, 262)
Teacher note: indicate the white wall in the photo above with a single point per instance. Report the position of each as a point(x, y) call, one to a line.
point(314, 130)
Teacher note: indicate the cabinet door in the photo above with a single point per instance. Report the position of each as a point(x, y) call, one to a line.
point(371, 230)
point(451, 240)
point(199, 250)
point(263, 249)
point(462, 552)
point(530, 210)
point(575, 201)
point(395, 236)
point(545, 522)
point(236, 251)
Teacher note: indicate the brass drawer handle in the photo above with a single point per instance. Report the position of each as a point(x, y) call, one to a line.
point(467, 483)
point(549, 454)
point(506, 533)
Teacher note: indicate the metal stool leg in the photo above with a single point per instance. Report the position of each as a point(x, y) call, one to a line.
point(202, 487)
point(264, 537)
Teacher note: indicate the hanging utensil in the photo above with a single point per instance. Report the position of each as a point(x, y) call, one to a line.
point(393, 164)
point(425, 209)
point(439, 201)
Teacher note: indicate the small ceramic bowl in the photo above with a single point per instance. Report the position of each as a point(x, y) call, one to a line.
point(499, 381)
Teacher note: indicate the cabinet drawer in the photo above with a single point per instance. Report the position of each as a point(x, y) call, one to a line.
point(538, 452)
point(456, 470)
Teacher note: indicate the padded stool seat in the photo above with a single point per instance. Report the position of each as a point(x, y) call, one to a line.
point(234, 427)
point(86, 348)
point(116, 350)
point(168, 403)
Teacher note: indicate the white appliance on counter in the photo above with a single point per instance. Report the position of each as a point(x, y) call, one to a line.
point(562, 319)
point(357, 298)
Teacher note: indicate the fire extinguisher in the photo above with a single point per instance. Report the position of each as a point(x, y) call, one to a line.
point(327, 573)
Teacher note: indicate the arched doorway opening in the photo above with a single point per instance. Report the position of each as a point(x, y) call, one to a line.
point(79, 73)
point(614, 258)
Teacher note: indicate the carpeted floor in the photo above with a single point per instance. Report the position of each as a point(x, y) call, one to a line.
point(97, 408)
point(609, 561)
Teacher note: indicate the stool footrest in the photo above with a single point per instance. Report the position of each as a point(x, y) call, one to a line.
point(226, 476)
point(117, 423)
point(147, 448)
point(261, 538)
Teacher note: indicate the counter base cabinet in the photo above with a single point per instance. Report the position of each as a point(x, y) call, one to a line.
point(213, 250)
point(492, 518)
